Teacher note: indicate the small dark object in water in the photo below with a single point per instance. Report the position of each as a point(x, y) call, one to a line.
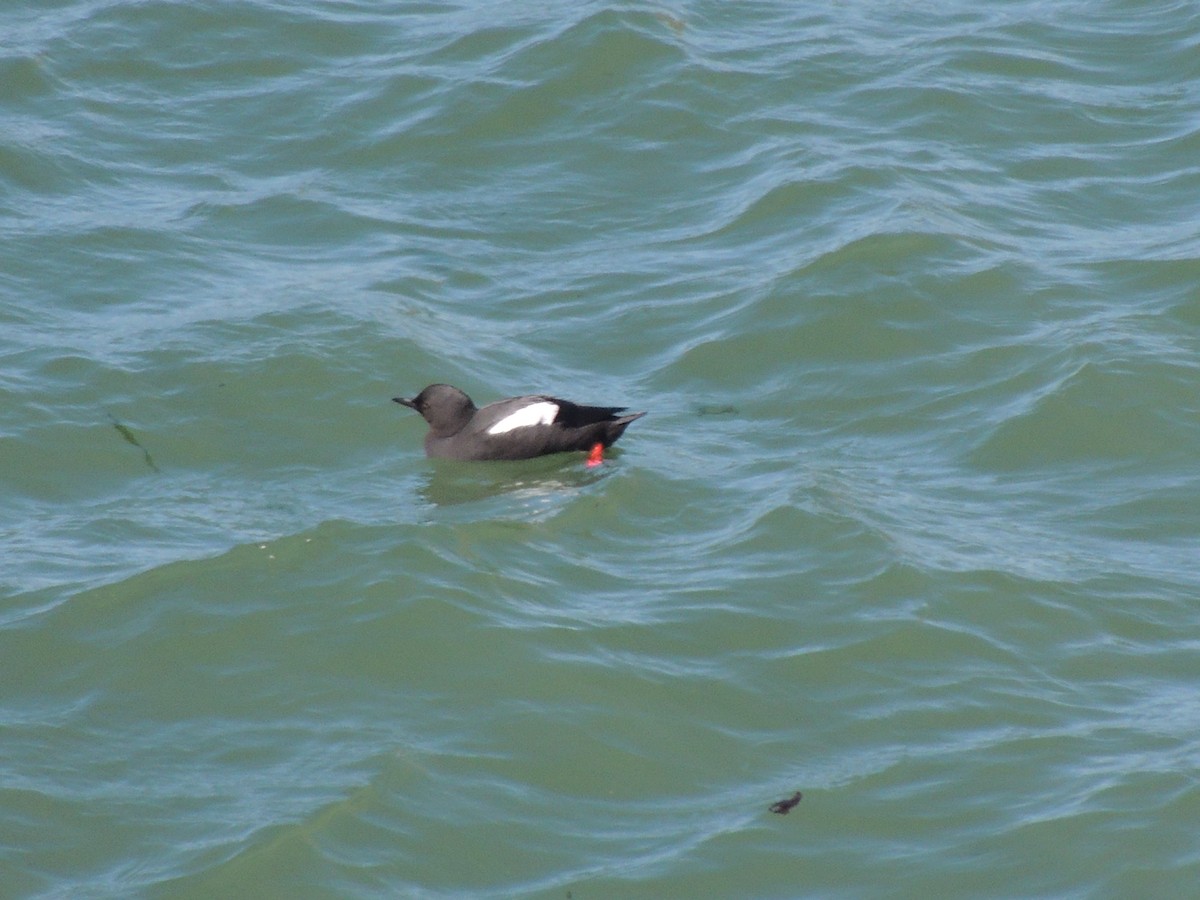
point(716, 409)
point(784, 806)
point(125, 432)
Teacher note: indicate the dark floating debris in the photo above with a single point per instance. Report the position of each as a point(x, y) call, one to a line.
point(716, 409)
point(123, 431)
point(783, 807)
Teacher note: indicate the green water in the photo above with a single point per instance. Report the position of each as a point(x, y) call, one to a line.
point(910, 295)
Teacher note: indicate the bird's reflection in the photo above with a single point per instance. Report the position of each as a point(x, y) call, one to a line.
point(451, 482)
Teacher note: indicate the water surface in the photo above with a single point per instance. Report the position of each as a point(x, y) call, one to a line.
point(910, 296)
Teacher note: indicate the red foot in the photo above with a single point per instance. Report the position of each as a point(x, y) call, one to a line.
point(596, 456)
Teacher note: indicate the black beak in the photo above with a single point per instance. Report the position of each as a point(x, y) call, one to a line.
point(411, 404)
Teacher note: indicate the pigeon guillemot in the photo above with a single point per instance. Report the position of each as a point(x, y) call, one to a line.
point(517, 428)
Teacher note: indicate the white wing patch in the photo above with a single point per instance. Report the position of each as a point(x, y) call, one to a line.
point(541, 413)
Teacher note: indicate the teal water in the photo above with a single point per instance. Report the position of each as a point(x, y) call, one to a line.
point(911, 295)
